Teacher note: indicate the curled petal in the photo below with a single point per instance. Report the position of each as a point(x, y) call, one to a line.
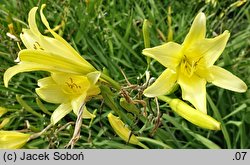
point(197, 30)
point(32, 21)
point(33, 39)
point(27, 67)
point(53, 61)
point(168, 54)
point(194, 90)
point(61, 40)
point(227, 80)
point(45, 63)
point(60, 112)
point(162, 85)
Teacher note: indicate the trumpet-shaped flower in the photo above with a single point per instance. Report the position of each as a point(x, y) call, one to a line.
point(13, 139)
point(191, 65)
point(70, 91)
point(52, 54)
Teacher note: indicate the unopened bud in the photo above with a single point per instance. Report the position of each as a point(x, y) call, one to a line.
point(12, 139)
point(121, 130)
point(2, 111)
point(194, 116)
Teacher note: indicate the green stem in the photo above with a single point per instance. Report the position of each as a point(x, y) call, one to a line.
point(154, 142)
point(27, 107)
point(223, 126)
point(142, 145)
point(115, 84)
point(146, 33)
point(165, 98)
point(36, 135)
point(146, 38)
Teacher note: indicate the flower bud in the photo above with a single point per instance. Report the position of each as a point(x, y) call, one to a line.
point(2, 111)
point(121, 130)
point(4, 122)
point(194, 116)
point(12, 139)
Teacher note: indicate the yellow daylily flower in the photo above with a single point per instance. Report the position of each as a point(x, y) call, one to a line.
point(70, 91)
point(191, 65)
point(13, 139)
point(52, 54)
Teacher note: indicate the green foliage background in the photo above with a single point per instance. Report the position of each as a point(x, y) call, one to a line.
point(108, 33)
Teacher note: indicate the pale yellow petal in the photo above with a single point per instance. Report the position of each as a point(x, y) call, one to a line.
point(63, 42)
point(54, 61)
point(32, 21)
point(208, 50)
point(28, 38)
point(225, 79)
point(26, 67)
point(162, 85)
point(86, 114)
point(78, 102)
point(52, 94)
point(168, 54)
point(60, 112)
point(58, 48)
point(197, 30)
point(93, 90)
point(45, 63)
point(45, 81)
point(61, 78)
point(93, 77)
point(33, 39)
point(194, 90)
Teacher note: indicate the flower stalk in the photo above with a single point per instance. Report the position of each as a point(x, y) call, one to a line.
point(112, 82)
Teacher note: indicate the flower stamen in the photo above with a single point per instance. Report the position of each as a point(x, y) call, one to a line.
point(72, 85)
point(189, 68)
point(36, 46)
